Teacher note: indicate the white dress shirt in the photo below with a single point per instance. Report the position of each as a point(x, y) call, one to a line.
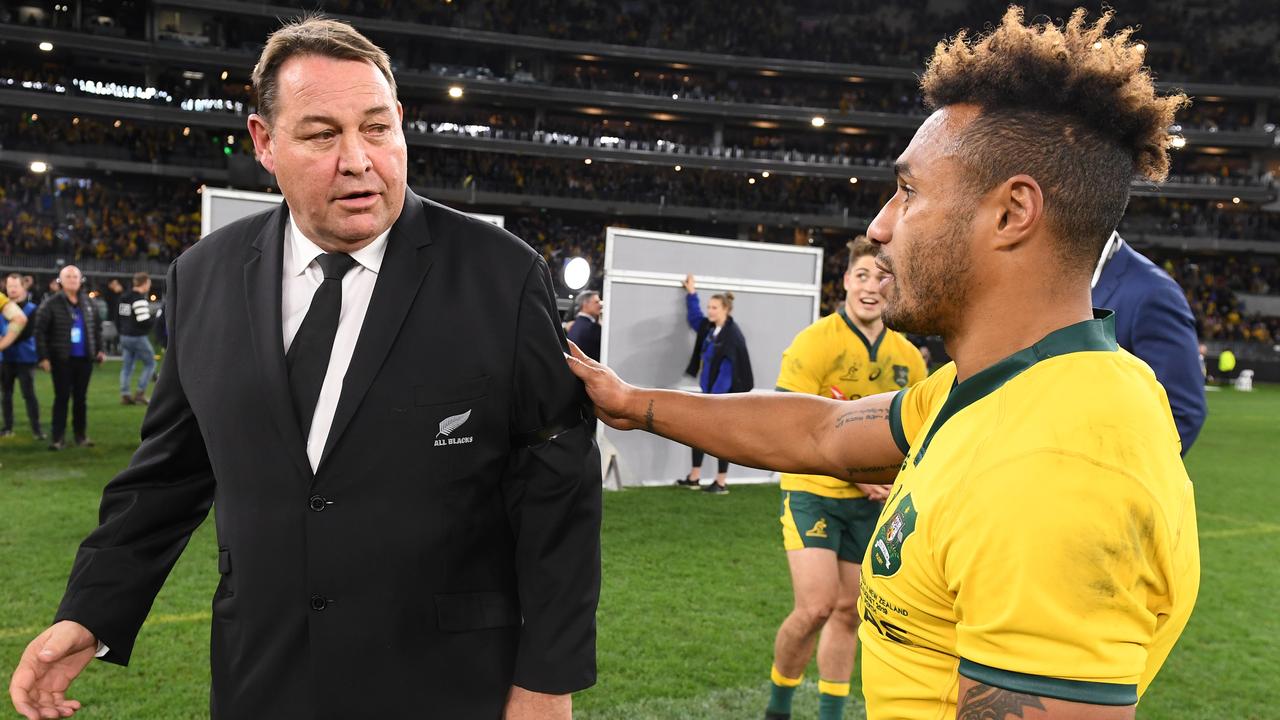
point(302, 277)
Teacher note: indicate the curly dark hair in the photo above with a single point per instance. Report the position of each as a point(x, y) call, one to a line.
point(1066, 104)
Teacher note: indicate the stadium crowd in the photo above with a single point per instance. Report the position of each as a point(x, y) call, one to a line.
point(75, 218)
point(1228, 40)
point(1211, 286)
point(1225, 42)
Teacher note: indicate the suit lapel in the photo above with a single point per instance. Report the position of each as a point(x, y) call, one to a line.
point(407, 260)
point(1112, 272)
point(263, 280)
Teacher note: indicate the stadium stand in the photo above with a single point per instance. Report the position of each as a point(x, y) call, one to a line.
point(764, 124)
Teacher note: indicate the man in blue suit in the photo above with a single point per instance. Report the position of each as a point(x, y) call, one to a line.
point(1154, 322)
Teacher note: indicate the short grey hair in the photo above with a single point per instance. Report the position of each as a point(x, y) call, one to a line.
point(584, 296)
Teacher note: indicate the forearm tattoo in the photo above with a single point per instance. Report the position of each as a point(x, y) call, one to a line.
point(863, 415)
point(984, 702)
point(856, 473)
point(648, 417)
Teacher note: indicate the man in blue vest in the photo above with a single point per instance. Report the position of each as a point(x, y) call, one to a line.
point(18, 362)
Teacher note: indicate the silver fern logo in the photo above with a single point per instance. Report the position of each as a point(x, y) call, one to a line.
point(448, 425)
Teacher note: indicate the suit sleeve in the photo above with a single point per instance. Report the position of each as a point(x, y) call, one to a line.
point(1164, 336)
point(552, 492)
point(42, 320)
point(97, 330)
point(147, 514)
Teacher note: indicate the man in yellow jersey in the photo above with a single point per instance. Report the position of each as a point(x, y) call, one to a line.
point(827, 521)
point(1037, 556)
point(16, 319)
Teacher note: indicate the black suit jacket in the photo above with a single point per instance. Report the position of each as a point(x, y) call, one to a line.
point(448, 544)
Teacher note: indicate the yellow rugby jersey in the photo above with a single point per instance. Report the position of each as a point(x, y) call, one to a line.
point(1041, 536)
point(832, 358)
point(4, 300)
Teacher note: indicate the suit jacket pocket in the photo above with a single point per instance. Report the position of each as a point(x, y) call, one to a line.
point(461, 612)
point(443, 392)
point(224, 596)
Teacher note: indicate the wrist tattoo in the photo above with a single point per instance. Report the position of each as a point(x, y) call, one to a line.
point(864, 415)
point(984, 702)
point(854, 472)
point(648, 417)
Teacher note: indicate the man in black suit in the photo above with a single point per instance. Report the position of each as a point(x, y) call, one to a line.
point(585, 330)
point(408, 500)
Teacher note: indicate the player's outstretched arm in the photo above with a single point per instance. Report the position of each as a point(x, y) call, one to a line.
point(982, 702)
point(787, 432)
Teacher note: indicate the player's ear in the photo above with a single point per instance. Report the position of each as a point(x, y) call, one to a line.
point(1019, 206)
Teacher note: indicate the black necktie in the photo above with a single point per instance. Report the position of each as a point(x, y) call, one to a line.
point(308, 356)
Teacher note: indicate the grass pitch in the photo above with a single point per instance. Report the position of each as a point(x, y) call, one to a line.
point(694, 586)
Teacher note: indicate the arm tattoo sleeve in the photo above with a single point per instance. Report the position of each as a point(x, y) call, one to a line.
point(648, 417)
point(984, 702)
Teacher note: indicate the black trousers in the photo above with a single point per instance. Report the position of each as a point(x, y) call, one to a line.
point(24, 373)
point(722, 465)
point(71, 383)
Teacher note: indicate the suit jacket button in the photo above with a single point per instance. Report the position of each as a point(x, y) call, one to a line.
point(319, 602)
point(318, 503)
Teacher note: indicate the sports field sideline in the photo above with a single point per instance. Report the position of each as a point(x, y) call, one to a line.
point(694, 586)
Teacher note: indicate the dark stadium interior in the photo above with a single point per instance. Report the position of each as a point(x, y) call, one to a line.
point(765, 124)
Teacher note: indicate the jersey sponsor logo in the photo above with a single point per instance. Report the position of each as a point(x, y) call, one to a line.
point(886, 549)
point(448, 426)
point(900, 375)
point(874, 375)
point(819, 529)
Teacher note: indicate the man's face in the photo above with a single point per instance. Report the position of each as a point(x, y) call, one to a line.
point(70, 278)
point(336, 148)
point(14, 289)
point(925, 231)
point(115, 286)
point(145, 287)
point(862, 289)
point(592, 306)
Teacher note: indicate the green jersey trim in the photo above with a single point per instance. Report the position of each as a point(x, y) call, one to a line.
point(1081, 691)
point(779, 388)
point(1096, 335)
point(895, 423)
point(872, 347)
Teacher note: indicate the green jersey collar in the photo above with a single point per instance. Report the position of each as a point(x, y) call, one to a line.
point(872, 347)
point(1096, 335)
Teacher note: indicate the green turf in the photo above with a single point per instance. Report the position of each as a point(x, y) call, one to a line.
point(694, 586)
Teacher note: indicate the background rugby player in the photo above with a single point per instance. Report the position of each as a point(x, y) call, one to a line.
point(827, 521)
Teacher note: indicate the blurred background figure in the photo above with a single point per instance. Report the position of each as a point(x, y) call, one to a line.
point(1154, 322)
point(68, 332)
point(585, 330)
point(18, 361)
point(135, 321)
point(721, 364)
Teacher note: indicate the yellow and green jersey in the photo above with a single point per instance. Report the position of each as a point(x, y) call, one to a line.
point(4, 300)
point(832, 358)
point(1040, 537)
